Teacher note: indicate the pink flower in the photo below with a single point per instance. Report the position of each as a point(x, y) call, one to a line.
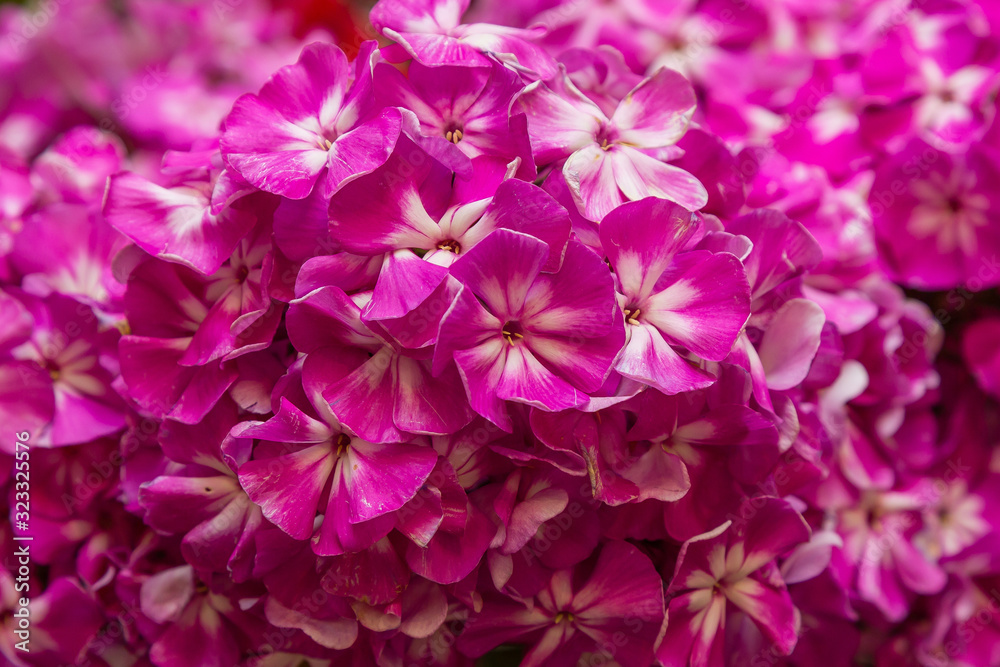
point(732, 565)
point(535, 338)
point(310, 124)
point(617, 158)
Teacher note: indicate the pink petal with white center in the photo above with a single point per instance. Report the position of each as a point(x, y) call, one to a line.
point(273, 139)
point(702, 304)
point(526, 380)
point(702, 560)
point(624, 590)
point(695, 631)
point(561, 120)
point(288, 487)
point(513, 47)
point(584, 362)
point(501, 269)
point(174, 224)
point(770, 607)
point(433, 50)
point(649, 359)
point(418, 15)
point(428, 404)
point(578, 301)
point(382, 478)
point(364, 400)
point(638, 175)
point(362, 150)
point(502, 620)
point(381, 212)
point(641, 238)
point(773, 530)
point(590, 176)
point(313, 89)
point(289, 425)
point(404, 282)
point(656, 112)
point(471, 336)
point(790, 343)
point(273, 153)
point(782, 249)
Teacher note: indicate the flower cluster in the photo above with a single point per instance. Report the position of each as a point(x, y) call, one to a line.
point(552, 333)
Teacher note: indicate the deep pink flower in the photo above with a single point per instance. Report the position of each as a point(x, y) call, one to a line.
point(934, 217)
point(310, 124)
point(56, 369)
point(535, 338)
point(697, 300)
point(733, 564)
point(579, 612)
point(617, 158)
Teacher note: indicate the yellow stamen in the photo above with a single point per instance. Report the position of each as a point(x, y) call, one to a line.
point(343, 443)
point(564, 617)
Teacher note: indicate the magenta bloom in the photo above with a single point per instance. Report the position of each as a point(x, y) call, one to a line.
point(56, 369)
point(572, 616)
point(176, 224)
point(697, 300)
point(517, 334)
point(940, 230)
point(310, 124)
point(364, 481)
point(439, 214)
point(617, 158)
point(373, 385)
point(733, 564)
point(467, 106)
